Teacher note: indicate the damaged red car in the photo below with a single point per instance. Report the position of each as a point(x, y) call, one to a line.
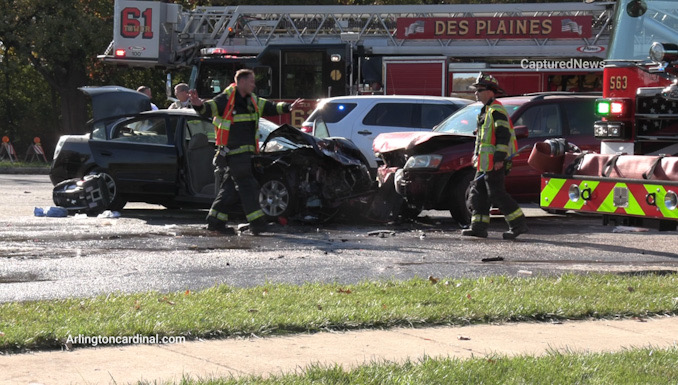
point(432, 170)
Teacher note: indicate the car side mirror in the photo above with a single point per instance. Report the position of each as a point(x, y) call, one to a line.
point(521, 132)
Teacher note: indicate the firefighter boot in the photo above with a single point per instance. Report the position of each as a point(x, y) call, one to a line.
point(515, 231)
point(255, 227)
point(475, 231)
point(213, 224)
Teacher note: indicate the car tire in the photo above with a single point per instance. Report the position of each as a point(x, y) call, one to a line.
point(458, 189)
point(117, 202)
point(276, 198)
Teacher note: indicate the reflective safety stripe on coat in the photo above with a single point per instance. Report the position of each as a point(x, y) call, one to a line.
point(222, 124)
point(486, 141)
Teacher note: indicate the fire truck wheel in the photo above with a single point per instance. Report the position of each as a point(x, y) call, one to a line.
point(458, 189)
point(276, 198)
point(117, 202)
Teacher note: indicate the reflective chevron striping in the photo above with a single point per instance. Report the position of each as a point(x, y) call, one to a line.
point(598, 196)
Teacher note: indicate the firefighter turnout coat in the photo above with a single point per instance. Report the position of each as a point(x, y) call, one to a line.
point(496, 139)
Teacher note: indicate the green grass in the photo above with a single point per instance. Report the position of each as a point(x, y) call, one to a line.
point(641, 366)
point(21, 164)
point(279, 309)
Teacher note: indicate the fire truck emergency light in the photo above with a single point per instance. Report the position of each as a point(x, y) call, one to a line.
point(610, 107)
point(214, 51)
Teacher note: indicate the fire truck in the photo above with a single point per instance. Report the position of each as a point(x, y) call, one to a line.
point(321, 51)
point(634, 179)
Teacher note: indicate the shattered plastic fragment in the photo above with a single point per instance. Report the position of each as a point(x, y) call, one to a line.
point(109, 214)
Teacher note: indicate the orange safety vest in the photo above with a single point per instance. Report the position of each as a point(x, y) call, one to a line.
point(222, 124)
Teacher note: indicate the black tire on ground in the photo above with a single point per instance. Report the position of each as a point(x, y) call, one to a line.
point(276, 198)
point(117, 202)
point(458, 191)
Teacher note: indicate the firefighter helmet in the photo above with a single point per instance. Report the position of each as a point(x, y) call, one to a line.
point(487, 81)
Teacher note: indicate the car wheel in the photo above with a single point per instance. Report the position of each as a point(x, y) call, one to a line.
point(276, 197)
point(117, 202)
point(458, 193)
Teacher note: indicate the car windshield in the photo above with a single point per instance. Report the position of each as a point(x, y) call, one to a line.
point(464, 121)
point(638, 24)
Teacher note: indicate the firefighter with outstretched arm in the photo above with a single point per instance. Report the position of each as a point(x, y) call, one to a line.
point(235, 114)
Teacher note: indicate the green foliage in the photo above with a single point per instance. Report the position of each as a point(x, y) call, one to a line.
point(636, 366)
point(48, 49)
point(283, 308)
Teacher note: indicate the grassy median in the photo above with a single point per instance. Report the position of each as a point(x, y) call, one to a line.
point(225, 311)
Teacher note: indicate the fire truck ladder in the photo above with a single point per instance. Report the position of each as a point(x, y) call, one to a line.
point(247, 30)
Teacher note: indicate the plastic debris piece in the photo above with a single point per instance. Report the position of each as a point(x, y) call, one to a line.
point(629, 229)
point(109, 214)
point(38, 212)
point(524, 272)
point(382, 233)
point(57, 212)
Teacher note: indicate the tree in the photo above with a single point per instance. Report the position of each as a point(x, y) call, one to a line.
point(59, 40)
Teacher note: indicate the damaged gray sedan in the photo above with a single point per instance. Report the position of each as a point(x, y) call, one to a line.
point(165, 157)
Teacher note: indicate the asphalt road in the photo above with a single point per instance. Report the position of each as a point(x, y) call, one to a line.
point(151, 248)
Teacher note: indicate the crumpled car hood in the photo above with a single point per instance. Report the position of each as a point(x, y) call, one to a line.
point(407, 141)
point(286, 138)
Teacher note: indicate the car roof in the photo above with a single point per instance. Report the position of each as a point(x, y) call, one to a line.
point(344, 99)
point(550, 96)
point(175, 111)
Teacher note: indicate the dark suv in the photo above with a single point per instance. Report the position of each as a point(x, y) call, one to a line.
point(432, 170)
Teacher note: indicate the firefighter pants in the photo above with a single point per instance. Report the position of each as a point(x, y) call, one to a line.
point(487, 189)
point(238, 185)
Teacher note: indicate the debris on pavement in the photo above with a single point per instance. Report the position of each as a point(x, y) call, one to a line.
point(492, 259)
point(381, 233)
point(52, 211)
point(109, 214)
point(629, 229)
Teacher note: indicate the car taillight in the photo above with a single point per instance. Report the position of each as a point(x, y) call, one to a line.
point(307, 128)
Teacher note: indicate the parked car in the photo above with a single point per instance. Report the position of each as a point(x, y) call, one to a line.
point(432, 170)
point(165, 157)
point(362, 118)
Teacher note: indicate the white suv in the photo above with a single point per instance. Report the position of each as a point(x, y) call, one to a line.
point(362, 118)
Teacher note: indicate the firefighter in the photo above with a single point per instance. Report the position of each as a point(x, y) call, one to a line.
point(495, 144)
point(235, 114)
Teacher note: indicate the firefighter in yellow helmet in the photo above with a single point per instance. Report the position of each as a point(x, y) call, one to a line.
point(235, 114)
point(495, 144)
